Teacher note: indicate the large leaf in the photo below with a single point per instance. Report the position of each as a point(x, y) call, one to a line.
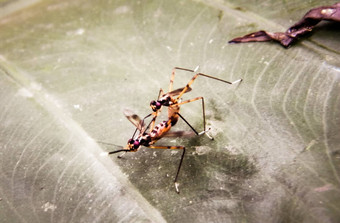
point(69, 69)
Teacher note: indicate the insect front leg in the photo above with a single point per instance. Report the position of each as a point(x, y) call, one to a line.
point(157, 111)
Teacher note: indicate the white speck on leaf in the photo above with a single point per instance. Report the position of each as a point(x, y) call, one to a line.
point(78, 107)
point(77, 32)
point(173, 152)
point(201, 150)
point(25, 93)
point(122, 10)
point(48, 206)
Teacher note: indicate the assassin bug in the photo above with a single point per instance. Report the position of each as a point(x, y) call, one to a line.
point(172, 101)
point(148, 139)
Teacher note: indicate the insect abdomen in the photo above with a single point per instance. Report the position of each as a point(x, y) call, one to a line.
point(160, 129)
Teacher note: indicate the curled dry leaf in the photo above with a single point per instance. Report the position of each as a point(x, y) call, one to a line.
point(305, 25)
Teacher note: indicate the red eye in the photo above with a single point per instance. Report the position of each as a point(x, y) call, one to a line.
point(136, 144)
point(158, 105)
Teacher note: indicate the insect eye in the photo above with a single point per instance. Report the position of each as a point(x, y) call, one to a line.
point(136, 145)
point(152, 103)
point(158, 105)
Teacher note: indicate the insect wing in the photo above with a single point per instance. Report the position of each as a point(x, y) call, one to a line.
point(134, 119)
point(180, 134)
point(178, 91)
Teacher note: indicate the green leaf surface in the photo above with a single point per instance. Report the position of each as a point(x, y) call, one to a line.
point(69, 68)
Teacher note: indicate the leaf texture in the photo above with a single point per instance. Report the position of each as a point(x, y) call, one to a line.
point(68, 69)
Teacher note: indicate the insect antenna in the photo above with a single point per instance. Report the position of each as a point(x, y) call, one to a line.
point(117, 151)
point(112, 152)
point(110, 144)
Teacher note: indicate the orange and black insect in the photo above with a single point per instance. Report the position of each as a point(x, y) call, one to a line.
point(148, 139)
point(172, 101)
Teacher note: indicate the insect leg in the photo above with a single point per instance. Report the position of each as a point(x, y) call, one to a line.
point(180, 163)
point(156, 113)
point(141, 126)
point(185, 89)
point(203, 111)
point(173, 75)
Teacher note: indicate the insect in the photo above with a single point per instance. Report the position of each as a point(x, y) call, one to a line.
point(171, 100)
point(148, 139)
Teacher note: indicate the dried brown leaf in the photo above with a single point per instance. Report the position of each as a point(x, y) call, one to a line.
point(305, 25)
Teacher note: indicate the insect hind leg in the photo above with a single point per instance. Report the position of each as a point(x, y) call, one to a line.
point(173, 75)
point(180, 162)
point(205, 131)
